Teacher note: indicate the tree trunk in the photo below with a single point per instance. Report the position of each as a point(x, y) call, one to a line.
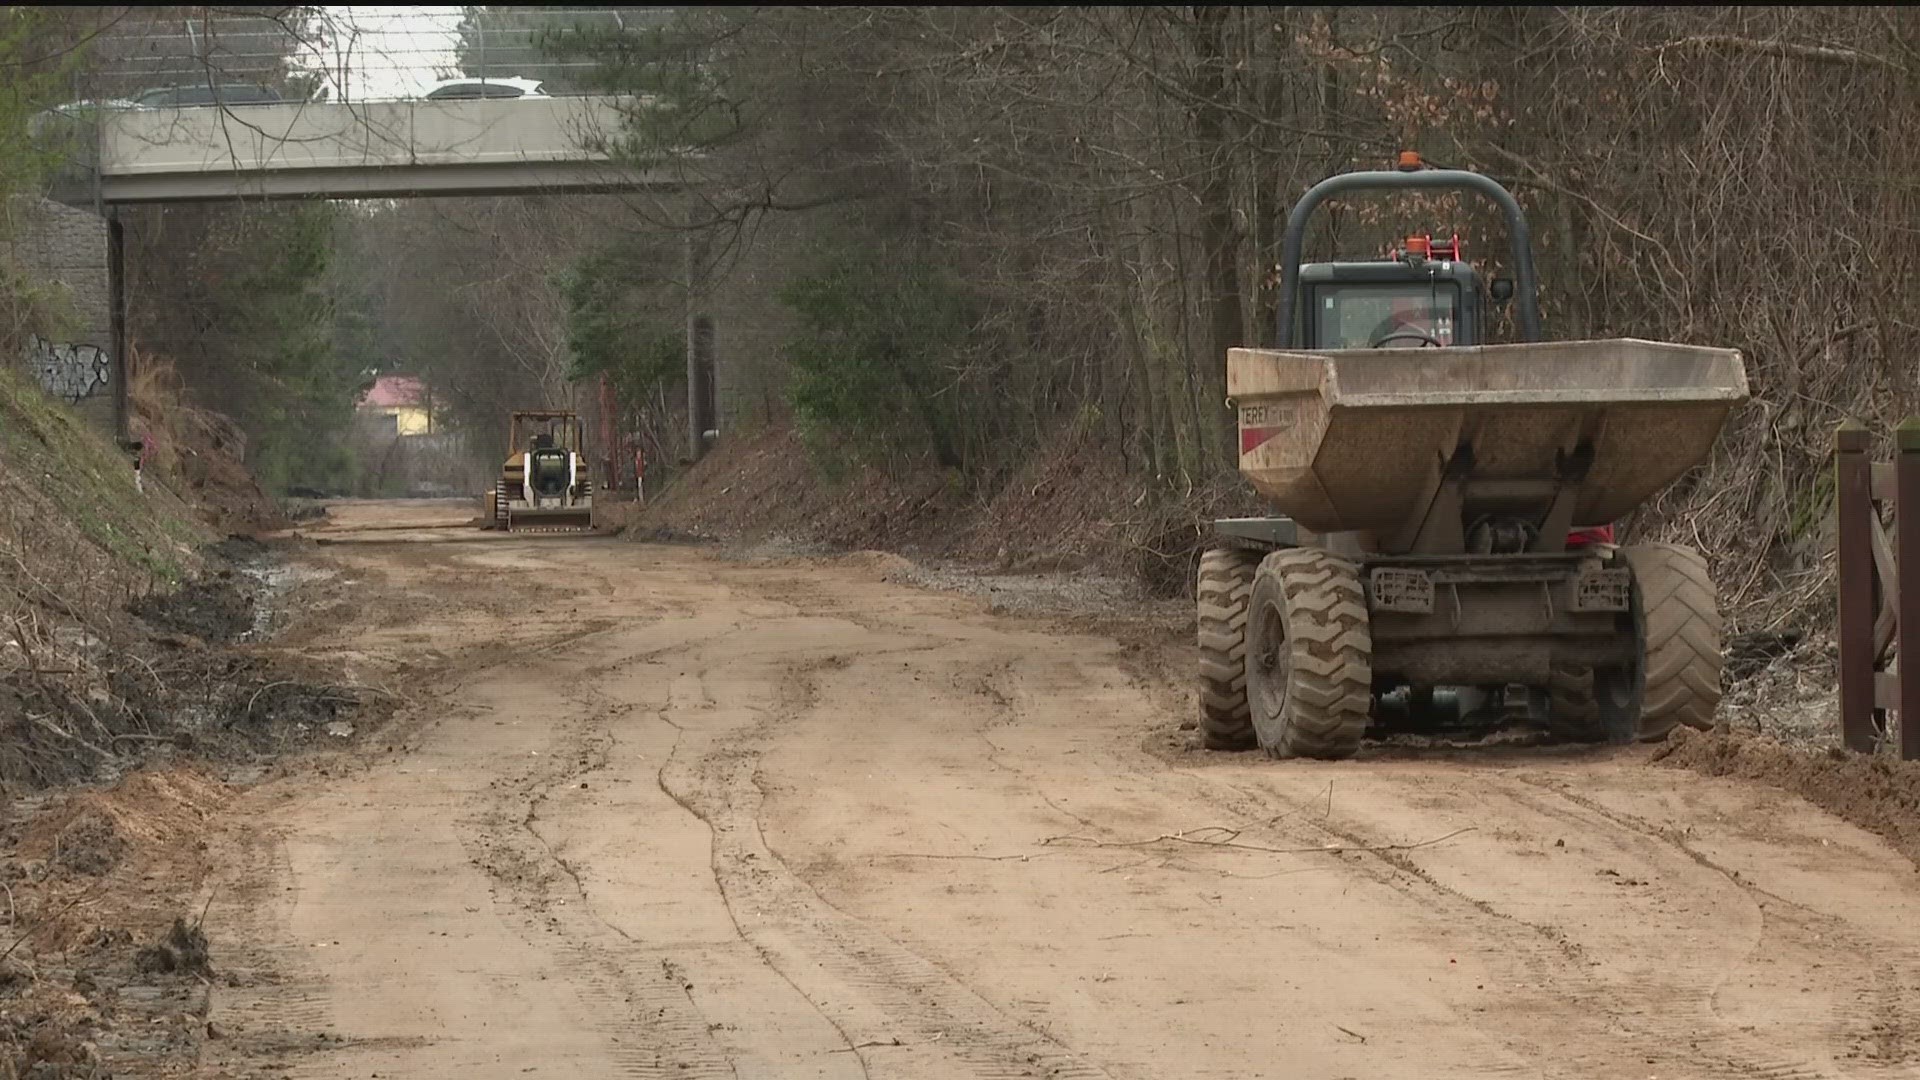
point(1219, 242)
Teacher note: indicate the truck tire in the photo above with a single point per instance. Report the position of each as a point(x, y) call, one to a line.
point(1573, 712)
point(1309, 655)
point(501, 508)
point(1226, 582)
point(1679, 622)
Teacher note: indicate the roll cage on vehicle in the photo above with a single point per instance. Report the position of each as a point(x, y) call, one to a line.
point(1424, 294)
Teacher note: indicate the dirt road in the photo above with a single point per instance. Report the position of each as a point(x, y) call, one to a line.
point(663, 813)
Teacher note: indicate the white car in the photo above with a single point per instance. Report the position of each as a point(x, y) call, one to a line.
point(73, 114)
point(468, 89)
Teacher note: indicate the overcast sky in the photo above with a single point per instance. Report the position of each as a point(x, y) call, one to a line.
point(385, 52)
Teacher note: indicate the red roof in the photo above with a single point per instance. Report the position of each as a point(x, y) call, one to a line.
point(395, 391)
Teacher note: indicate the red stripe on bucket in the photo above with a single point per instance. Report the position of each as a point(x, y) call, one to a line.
point(1251, 438)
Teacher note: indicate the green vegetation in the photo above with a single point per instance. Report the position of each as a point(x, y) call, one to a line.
point(76, 475)
point(298, 388)
point(33, 75)
point(33, 145)
point(246, 302)
point(612, 329)
point(879, 366)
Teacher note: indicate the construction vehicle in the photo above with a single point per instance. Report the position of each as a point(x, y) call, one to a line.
point(544, 485)
point(1430, 569)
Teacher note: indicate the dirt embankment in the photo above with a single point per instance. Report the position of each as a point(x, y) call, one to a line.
point(1879, 794)
point(133, 653)
point(197, 454)
point(122, 612)
point(109, 971)
point(1073, 506)
point(108, 968)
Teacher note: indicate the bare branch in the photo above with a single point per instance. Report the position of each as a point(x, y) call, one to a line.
point(1780, 50)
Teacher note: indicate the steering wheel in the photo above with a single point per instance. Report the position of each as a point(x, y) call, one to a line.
point(1426, 342)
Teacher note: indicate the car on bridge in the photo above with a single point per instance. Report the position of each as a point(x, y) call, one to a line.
point(71, 116)
point(193, 94)
point(469, 89)
point(77, 116)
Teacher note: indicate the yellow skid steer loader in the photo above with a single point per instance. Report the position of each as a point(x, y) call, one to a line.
point(544, 486)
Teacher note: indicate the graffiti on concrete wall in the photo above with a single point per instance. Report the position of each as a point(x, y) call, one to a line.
point(70, 372)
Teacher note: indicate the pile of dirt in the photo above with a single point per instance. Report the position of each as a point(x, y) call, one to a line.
point(183, 949)
point(765, 486)
point(91, 832)
point(1074, 506)
point(107, 972)
point(1879, 794)
point(166, 681)
point(240, 702)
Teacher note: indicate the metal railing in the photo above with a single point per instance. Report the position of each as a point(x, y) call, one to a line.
point(1876, 614)
point(346, 54)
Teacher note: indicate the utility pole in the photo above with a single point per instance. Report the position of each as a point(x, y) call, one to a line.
point(117, 323)
point(700, 411)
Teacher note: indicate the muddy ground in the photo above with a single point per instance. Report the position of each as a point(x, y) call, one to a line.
point(675, 809)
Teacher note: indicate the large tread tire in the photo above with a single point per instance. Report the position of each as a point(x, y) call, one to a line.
point(1309, 655)
point(1573, 712)
point(1680, 628)
point(1226, 583)
point(502, 509)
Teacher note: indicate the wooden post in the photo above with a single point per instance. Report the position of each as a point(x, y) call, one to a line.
point(1853, 486)
point(609, 464)
point(1906, 605)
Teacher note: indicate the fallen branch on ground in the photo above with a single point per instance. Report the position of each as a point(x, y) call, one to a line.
point(47, 921)
point(978, 858)
point(1232, 841)
point(854, 1048)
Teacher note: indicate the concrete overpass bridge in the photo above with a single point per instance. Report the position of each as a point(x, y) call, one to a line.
point(358, 150)
point(297, 150)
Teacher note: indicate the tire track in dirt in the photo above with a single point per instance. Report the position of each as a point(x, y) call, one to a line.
point(899, 999)
point(270, 1005)
point(635, 994)
point(1676, 1006)
point(768, 797)
point(1664, 1017)
point(1560, 966)
point(1872, 1001)
point(1544, 955)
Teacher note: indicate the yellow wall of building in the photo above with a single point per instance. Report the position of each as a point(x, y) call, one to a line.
point(410, 421)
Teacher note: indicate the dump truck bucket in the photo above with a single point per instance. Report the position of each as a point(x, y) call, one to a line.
point(550, 519)
point(1357, 439)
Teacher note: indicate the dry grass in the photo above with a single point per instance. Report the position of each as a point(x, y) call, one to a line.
point(199, 453)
